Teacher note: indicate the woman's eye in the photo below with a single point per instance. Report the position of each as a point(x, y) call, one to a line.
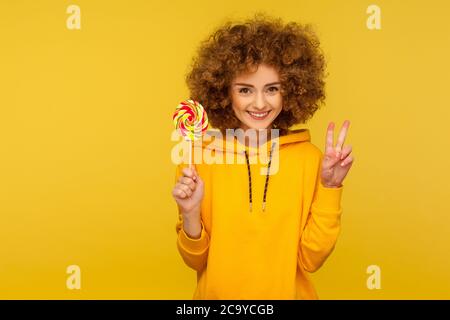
point(244, 90)
point(273, 89)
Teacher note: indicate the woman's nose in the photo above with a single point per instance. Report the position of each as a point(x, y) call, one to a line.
point(260, 102)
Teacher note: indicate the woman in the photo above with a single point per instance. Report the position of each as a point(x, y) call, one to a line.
point(250, 235)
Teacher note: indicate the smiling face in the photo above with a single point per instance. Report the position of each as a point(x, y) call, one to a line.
point(256, 97)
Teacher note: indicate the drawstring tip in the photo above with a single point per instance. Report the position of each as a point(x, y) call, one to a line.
point(250, 207)
point(264, 206)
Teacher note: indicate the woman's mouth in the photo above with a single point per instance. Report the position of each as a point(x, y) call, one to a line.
point(258, 115)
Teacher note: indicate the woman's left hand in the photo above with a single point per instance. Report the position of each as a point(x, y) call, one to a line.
point(337, 160)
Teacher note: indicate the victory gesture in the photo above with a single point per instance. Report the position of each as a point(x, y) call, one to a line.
point(337, 159)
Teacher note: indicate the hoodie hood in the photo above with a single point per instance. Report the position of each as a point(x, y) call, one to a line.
point(214, 140)
point(216, 143)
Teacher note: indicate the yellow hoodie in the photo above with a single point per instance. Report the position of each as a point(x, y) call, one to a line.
point(262, 254)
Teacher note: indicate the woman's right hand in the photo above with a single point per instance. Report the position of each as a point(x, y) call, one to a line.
point(188, 193)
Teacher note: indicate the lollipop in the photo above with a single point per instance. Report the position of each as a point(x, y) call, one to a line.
point(191, 121)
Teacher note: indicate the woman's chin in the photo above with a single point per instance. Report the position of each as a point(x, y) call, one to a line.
point(258, 126)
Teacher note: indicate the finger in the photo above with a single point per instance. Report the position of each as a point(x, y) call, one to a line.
point(329, 162)
point(345, 151)
point(178, 193)
point(342, 135)
point(185, 188)
point(188, 172)
point(191, 173)
point(188, 182)
point(195, 173)
point(347, 161)
point(329, 137)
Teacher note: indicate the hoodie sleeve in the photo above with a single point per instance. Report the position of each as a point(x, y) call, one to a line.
point(193, 251)
point(322, 226)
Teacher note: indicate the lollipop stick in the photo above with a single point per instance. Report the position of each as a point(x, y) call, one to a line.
point(190, 154)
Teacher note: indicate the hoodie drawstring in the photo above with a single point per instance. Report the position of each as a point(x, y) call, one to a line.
point(250, 179)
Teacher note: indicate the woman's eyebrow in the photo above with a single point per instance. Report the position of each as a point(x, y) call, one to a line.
point(250, 85)
point(272, 83)
point(244, 84)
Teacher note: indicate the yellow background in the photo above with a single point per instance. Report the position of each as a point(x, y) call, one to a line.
point(85, 122)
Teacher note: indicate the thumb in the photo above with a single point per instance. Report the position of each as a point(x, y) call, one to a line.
point(195, 176)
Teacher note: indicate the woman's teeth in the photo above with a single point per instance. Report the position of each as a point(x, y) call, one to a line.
point(258, 115)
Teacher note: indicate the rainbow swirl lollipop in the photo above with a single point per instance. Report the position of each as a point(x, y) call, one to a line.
point(190, 119)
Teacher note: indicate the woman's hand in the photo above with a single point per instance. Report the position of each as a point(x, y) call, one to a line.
point(337, 160)
point(188, 193)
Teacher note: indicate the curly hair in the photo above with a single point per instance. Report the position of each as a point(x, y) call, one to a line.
point(292, 49)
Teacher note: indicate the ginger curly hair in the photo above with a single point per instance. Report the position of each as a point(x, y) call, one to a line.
point(292, 49)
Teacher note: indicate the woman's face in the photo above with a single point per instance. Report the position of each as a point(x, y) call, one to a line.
point(256, 97)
